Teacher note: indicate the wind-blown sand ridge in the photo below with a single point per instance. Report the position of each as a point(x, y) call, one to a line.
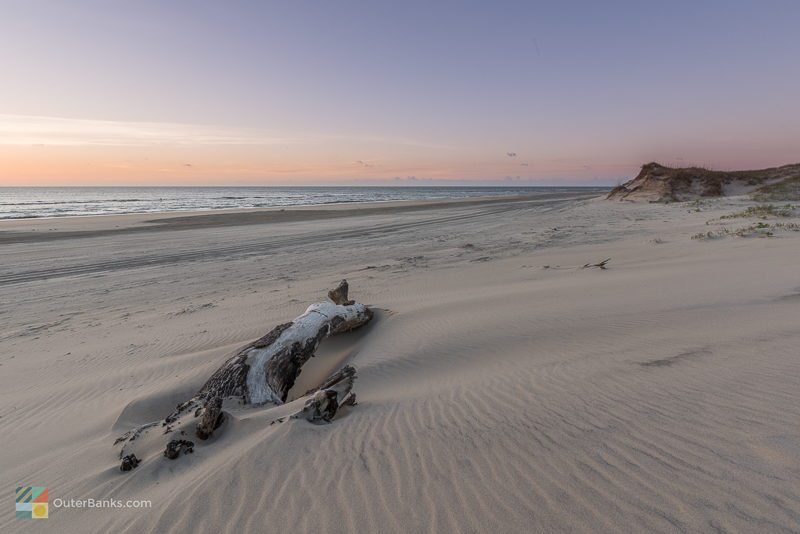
point(502, 386)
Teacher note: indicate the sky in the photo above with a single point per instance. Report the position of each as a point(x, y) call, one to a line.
point(302, 92)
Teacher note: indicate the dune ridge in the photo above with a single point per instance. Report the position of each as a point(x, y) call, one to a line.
point(659, 183)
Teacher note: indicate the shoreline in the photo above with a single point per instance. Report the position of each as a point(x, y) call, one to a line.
point(52, 228)
point(486, 191)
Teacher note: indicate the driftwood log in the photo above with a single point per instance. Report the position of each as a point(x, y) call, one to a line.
point(264, 371)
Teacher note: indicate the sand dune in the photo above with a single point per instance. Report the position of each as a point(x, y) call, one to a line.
point(495, 395)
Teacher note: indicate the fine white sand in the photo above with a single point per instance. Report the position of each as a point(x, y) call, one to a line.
point(495, 394)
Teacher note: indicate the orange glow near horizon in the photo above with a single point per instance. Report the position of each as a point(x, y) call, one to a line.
point(46, 151)
point(60, 152)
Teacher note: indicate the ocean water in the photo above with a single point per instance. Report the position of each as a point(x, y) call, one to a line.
point(30, 202)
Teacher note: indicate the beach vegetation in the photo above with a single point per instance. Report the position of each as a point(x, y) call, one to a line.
point(785, 190)
point(763, 212)
point(759, 229)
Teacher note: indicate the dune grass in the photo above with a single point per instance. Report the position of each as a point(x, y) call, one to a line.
point(786, 190)
point(763, 212)
point(759, 229)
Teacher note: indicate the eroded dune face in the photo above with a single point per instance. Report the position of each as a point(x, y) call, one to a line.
point(656, 183)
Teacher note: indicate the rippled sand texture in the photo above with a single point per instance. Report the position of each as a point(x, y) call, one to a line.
point(502, 387)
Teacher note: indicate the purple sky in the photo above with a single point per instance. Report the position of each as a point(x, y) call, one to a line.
point(295, 92)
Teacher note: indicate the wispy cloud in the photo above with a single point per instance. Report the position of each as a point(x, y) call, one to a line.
point(30, 130)
point(386, 141)
point(35, 130)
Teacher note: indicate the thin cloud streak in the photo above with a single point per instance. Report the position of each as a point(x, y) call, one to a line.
point(26, 130)
point(30, 130)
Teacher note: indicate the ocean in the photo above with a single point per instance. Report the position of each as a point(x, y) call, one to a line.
point(34, 202)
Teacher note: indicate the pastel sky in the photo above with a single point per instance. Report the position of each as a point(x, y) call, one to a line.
point(114, 92)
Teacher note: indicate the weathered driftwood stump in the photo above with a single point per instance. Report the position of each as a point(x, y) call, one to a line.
point(326, 398)
point(264, 371)
point(178, 446)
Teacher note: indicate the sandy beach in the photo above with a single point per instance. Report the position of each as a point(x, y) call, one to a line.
point(502, 386)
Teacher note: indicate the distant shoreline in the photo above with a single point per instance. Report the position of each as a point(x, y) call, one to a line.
point(32, 203)
point(46, 229)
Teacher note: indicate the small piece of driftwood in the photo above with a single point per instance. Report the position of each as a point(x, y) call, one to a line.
point(601, 265)
point(129, 462)
point(326, 399)
point(178, 446)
